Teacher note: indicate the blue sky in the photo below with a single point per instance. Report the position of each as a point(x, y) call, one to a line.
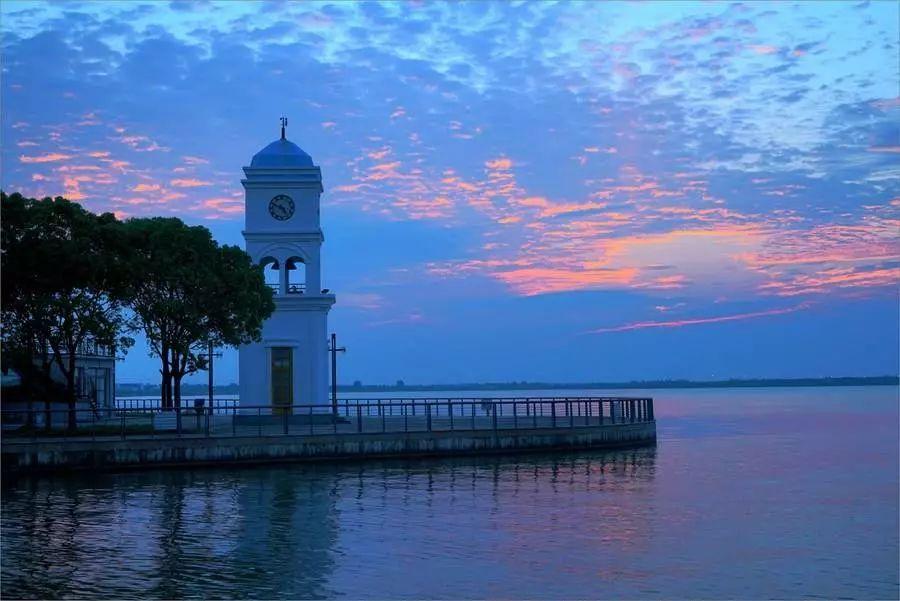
point(514, 191)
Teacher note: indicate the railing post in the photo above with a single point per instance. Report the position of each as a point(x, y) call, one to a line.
point(650, 405)
point(405, 417)
point(533, 415)
point(494, 413)
point(571, 414)
point(553, 412)
point(473, 415)
point(515, 416)
point(631, 410)
point(428, 416)
point(358, 419)
point(381, 413)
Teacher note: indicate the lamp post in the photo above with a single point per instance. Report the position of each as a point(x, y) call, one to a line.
point(210, 354)
point(334, 350)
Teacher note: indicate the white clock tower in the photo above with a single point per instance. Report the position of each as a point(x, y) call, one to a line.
point(282, 233)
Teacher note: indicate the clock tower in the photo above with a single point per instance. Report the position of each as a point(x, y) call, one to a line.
point(289, 366)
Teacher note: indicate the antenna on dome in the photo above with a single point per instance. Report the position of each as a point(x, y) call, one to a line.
point(283, 125)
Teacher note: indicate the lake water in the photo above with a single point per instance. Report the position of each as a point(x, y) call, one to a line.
point(749, 493)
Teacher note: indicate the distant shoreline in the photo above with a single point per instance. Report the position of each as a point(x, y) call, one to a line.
point(193, 389)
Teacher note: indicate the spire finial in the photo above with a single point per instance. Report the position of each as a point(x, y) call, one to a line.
point(283, 125)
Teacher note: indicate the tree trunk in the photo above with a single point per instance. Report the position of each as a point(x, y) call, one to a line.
point(46, 368)
point(176, 386)
point(165, 385)
point(71, 397)
point(176, 389)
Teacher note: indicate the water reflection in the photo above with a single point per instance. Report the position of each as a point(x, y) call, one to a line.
point(302, 531)
point(775, 493)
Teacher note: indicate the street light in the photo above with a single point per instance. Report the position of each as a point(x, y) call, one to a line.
point(210, 354)
point(334, 349)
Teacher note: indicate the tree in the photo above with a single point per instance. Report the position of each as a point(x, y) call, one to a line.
point(63, 284)
point(188, 291)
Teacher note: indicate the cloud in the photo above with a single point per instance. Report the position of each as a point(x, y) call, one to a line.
point(50, 157)
point(549, 158)
point(188, 183)
point(679, 323)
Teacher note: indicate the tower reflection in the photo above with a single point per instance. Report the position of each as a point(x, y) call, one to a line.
point(303, 531)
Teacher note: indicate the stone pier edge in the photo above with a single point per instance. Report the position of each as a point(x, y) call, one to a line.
point(23, 457)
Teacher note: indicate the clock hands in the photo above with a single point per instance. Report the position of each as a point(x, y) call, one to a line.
point(280, 209)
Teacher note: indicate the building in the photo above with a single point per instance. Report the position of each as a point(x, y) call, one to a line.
point(95, 389)
point(289, 367)
point(95, 376)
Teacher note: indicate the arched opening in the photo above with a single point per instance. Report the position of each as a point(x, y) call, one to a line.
point(296, 275)
point(272, 273)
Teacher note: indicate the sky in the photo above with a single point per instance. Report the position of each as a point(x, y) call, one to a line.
point(566, 192)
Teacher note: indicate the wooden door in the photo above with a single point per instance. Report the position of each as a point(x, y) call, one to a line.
point(282, 379)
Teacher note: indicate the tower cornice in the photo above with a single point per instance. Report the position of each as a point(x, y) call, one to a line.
point(304, 302)
point(283, 177)
point(283, 236)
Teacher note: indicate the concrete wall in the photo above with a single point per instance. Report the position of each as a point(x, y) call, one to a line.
point(133, 453)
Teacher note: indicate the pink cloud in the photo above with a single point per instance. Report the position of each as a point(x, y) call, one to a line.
point(501, 163)
point(763, 49)
point(228, 206)
point(889, 149)
point(189, 183)
point(45, 158)
point(678, 323)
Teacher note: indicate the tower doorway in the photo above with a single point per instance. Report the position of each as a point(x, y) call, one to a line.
point(282, 379)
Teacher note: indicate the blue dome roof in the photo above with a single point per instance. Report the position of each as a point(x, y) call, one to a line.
point(281, 153)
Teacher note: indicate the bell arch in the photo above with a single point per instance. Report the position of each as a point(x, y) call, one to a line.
point(296, 274)
point(272, 272)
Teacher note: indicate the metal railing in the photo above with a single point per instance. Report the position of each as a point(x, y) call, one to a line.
point(291, 288)
point(352, 417)
point(154, 405)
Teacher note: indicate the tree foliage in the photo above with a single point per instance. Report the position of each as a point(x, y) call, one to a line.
point(187, 292)
point(69, 276)
point(64, 282)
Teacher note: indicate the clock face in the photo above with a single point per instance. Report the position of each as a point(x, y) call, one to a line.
point(281, 207)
